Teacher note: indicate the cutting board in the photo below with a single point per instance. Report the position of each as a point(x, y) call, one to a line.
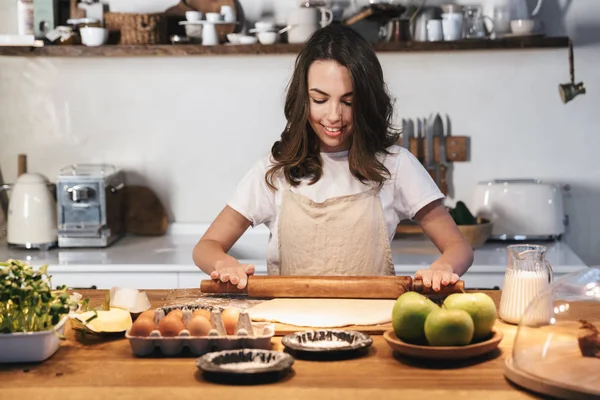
point(145, 213)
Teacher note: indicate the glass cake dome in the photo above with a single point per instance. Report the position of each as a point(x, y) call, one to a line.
point(556, 350)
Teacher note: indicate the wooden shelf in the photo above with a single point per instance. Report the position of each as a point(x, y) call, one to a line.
point(255, 49)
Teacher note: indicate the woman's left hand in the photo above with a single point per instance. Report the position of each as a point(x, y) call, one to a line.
point(437, 275)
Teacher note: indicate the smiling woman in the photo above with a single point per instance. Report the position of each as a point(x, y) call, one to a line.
point(335, 185)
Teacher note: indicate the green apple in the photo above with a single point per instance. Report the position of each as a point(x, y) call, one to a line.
point(409, 314)
point(444, 327)
point(480, 307)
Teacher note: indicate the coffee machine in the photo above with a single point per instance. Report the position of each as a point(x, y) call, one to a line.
point(91, 205)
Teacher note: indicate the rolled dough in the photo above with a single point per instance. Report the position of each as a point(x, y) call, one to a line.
point(324, 313)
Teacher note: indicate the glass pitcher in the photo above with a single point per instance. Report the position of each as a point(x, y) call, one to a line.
point(474, 26)
point(527, 273)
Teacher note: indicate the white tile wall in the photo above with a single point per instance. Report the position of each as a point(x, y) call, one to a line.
point(191, 127)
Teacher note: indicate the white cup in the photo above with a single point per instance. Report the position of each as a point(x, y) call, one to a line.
point(213, 17)
point(434, 30)
point(193, 16)
point(228, 13)
point(452, 29)
point(522, 26)
point(264, 26)
point(93, 36)
point(266, 37)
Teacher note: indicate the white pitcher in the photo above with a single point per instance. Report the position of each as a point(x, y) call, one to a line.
point(527, 274)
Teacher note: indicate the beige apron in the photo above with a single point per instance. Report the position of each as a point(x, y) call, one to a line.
point(343, 235)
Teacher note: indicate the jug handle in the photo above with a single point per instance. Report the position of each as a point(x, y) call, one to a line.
point(5, 187)
point(550, 272)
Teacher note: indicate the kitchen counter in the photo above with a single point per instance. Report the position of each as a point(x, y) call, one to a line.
point(91, 367)
point(166, 261)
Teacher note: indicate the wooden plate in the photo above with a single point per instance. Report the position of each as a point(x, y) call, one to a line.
point(443, 352)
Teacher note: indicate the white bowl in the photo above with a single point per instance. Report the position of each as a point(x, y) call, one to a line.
point(234, 38)
point(22, 347)
point(522, 26)
point(194, 32)
point(267, 37)
point(93, 36)
point(247, 39)
point(193, 15)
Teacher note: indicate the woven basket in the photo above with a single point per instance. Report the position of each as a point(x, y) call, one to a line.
point(138, 28)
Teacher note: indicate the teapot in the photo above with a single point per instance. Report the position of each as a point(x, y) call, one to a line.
point(31, 218)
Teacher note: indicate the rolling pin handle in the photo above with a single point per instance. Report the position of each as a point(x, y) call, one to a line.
point(458, 287)
point(216, 286)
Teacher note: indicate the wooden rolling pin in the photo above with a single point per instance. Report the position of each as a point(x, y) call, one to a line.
point(359, 287)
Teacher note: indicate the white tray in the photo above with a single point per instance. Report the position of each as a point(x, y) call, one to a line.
point(22, 347)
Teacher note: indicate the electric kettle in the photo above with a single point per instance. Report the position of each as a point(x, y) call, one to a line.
point(31, 220)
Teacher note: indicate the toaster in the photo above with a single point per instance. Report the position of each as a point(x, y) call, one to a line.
point(91, 201)
point(521, 209)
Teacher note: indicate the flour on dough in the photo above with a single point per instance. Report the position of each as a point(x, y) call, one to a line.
point(324, 313)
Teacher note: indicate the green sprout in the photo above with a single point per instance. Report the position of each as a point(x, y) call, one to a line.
point(27, 301)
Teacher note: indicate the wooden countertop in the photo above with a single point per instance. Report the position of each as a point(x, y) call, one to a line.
point(94, 368)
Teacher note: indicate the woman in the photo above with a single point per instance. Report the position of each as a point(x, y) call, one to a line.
point(335, 185)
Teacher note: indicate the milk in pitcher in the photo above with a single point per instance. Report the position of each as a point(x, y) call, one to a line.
point(520, 287)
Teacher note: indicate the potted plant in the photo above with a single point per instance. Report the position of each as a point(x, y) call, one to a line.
point(32, 315)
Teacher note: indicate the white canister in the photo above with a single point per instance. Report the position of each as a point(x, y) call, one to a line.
point(434, 30)
point(301, 33)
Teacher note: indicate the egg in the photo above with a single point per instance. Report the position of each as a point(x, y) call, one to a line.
point(142, 327)
point(199, 326)
point(176, 313)
point(170, 326)
point(230, 318)
point(203, 312)
point(150, 314)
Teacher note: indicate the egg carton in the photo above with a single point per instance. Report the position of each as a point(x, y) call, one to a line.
point(247, 335)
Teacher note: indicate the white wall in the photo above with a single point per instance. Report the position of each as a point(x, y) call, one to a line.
point(191, 127)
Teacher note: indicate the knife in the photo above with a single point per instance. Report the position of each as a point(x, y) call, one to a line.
point(388, 287)
point(430, 164)
point(438, 131)
point(443, 156)
point(408, 134)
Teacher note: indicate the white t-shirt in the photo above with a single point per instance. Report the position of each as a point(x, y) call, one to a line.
point(409, 189)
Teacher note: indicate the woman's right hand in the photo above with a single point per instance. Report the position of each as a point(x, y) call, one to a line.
point(233, 271)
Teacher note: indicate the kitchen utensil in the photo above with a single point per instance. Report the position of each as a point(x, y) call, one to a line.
point(388, 287)
point(407, 133)
point(22, 165)
point(521, 209)
point(527, 274)
point(31, 221)
point(430, 163)
point(443, 352)
point(440, 166)
point(474, 23)
point(327, 341)
point(568, 91)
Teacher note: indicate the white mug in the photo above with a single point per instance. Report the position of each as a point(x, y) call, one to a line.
point(228, 13)
point(452, 29)
point(213, 17)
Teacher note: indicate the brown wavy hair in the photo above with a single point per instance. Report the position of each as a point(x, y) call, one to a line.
point(297, 153)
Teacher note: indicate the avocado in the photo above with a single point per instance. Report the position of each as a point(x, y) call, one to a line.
point(462, 215)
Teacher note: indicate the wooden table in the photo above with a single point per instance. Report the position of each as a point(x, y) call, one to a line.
point(93, 368)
